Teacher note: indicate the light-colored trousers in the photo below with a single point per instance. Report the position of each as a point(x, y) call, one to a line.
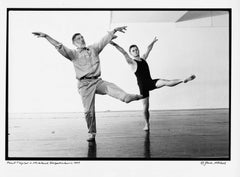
point(88, 88)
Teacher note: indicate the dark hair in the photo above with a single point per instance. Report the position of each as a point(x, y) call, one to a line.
point(131, 46)
point(73, 37)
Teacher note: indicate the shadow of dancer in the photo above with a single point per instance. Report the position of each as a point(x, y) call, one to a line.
point(92, 150)
point(147, 149)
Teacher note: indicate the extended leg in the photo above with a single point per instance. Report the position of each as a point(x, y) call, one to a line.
point(146, 113)
point(170, 83)
point(113, 90)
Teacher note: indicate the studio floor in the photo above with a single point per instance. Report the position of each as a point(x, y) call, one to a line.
point(175, 134)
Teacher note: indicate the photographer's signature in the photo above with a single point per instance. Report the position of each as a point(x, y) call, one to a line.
point(204, 163)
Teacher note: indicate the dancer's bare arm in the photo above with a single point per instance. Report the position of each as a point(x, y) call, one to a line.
point(49, 38)
point(149, 48)
point(66, 52)
point(120, 49)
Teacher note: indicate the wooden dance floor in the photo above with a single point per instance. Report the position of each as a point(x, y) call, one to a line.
point(175, 134)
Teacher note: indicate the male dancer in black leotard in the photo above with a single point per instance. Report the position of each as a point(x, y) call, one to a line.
point(145, 82)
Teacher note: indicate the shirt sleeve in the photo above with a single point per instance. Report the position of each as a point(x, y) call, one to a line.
point(103, 42)
point(66, 52)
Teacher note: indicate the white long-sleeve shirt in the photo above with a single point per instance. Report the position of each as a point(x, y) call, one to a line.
point(86, 61)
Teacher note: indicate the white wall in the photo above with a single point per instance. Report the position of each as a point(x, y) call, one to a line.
point(41, 80)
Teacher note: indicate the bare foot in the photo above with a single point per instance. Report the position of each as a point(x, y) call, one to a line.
point(147, 127)
point(189, 78)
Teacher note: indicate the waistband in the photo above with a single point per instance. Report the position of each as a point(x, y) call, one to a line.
point(85, 77)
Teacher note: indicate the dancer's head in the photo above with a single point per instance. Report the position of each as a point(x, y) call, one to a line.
point(134, 51)
point(78, 40)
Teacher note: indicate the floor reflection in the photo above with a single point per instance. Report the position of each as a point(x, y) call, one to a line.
point(147, 151)
point(92, 149)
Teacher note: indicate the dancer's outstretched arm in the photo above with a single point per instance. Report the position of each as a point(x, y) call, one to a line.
point(120, 49)
point(149, 48)
point(66, 52)
point(50, 39)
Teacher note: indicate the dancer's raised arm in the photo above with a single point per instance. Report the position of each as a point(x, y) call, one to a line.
point(149, 48)
point(66, 52)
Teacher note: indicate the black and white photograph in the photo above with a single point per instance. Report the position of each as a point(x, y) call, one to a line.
point(141, 84)
point(122, 90)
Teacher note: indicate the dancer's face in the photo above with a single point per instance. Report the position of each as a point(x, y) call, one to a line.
point(134, 52)
point(79, 41)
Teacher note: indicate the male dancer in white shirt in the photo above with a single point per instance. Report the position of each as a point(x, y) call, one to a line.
point(87, 67)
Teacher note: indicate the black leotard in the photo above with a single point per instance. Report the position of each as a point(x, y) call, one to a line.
point(144, 79)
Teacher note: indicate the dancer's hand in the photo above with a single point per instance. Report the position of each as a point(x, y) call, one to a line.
point(39, 34)
point(155, 40)
point(121, 29)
